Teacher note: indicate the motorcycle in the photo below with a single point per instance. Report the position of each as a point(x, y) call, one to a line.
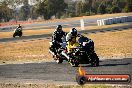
point(57, 48)
point(17, 32)
point(82, 54)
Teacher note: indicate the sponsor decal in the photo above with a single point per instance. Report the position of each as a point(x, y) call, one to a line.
point(83, 78)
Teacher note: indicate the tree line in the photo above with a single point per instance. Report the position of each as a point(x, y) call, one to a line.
point(60, 9)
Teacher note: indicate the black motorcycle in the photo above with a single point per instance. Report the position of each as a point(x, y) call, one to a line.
point(56, 49)
point(82, 54)
point(17, 32)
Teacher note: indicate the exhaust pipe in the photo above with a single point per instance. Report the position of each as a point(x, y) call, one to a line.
point(64, 54)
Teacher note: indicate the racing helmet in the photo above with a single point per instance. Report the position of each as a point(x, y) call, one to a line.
point(68, 37)
point(19, 26)
point(59, 28)
point(73, 31)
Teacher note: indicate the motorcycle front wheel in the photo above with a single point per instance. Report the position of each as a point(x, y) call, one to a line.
point(59, 61)
point(14, 35)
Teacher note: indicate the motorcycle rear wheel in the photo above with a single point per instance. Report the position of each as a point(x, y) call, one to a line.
point(20, 35)
point(14, 35)
point(94, 60)
point(74, 64)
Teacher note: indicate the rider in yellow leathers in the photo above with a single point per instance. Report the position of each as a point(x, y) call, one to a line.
point(71, 40)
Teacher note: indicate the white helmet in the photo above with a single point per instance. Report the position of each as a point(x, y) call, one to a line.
point(68, 37)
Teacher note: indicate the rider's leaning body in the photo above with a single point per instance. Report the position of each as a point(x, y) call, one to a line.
point(57, 38)
point(19, 28)
point(58, 34)
point(71, 40)
point(71, 45)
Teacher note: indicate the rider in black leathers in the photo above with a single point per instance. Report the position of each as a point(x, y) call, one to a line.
point(57, 39)
point(19, 28)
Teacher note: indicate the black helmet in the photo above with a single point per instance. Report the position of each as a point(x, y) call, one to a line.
point(19, 26)
point(59, 28)
point(73, 31)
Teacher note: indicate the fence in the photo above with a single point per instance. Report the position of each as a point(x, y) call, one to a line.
point(115, 20)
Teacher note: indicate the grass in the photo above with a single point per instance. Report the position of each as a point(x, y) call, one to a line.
point(113, 44)
point(110, 44)
point(81, 17)
point(17, 85)
point(24, 51)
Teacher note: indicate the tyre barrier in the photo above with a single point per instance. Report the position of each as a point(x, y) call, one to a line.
point(115, 20)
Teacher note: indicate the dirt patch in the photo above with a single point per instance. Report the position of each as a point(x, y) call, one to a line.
point(30, 83)
point(62, 86)
point(59, 85)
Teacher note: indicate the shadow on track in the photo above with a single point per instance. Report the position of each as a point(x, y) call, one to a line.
point(112, 62)
point(115, 64)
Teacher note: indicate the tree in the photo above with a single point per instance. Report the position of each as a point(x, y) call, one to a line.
point(95, 6)
point(60, 7)
point(128, 7)
point(24, 11)
point(102, 8)
point(86, 7)
point(90, 5)
point(33, 13)
point(48, 8)
point(78, 8)
point(71, 10)
point(115, 9)
point(5, 12)
point(13, 3)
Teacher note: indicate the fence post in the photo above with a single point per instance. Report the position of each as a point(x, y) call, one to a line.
point(82, 24)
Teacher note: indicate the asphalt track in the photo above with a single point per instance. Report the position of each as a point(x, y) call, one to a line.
point(47, 25)
point(51, 71)
point(23, 38)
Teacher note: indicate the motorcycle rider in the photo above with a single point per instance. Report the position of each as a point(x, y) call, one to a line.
point(57, 38)
point(19, 28)
point(71, 44)
point(71, 40)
